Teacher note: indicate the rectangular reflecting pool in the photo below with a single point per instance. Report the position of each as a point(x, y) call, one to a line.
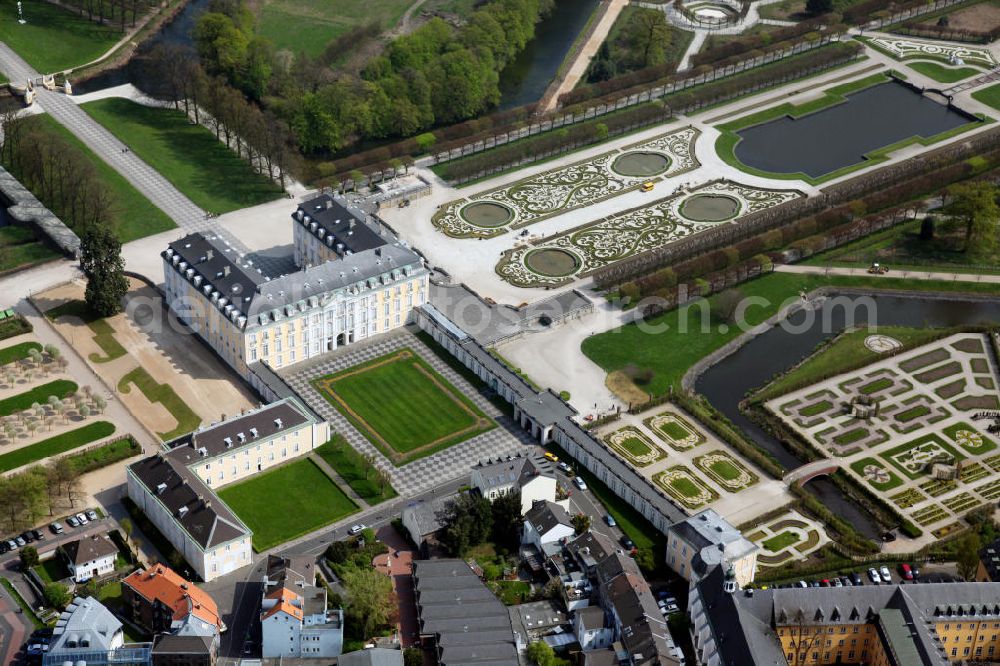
point(841, 135)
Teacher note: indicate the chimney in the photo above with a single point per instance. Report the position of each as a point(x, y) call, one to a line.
point(210, 254)
point(225, 271)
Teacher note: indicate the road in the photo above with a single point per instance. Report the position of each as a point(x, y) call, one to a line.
point(907, 274)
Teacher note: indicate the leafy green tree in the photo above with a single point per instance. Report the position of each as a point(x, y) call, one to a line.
point(56, 595)
point(221, 45)
point(102, 264)
point(725, 305)
point(581, 522)
point(505, 513)
point(467, 521)
point(967, 556)
point(974, 204)
point(817, 7)
point(541, 653)
point(370, 599)
point(29, 557)
point(338, 552)
point(413, 657)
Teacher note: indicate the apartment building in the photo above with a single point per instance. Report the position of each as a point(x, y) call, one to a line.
point(249, 317)
point(175, 487)
point(294, 618)
point(162, 601)
point(531, 475)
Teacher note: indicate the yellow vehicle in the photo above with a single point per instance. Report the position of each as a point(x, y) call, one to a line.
point(648, 186)
point(551, 456)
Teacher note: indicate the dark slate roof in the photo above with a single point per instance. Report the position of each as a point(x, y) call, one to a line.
point(644, 631)
point(165, 644)
point(590, 617)
point(590, 548)
point(546, 408)
point(255, 300)
point(333, 221)
point(264, 421)
point(545, 516)
point(517, 470)
point(427, 514)
point(469, 628)
point(89, 549)
point(206, 518)
point(990, 557)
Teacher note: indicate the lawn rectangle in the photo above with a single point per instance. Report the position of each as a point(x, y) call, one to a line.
point(53, 446)
point(17, 352)
point(287, 502)
point(780, 541)
point(403, 406)
point(189, 156)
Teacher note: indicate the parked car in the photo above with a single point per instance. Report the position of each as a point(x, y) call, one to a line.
point(82, 518)
point(564, 468)
point(836, 582)
point(671, 608)
point(856, 578)
point(802, 583)
point(610, 520)
point(27, 536)
point(846, 581)
point(11, 544)
point(915, 571)
point(551, 456)
point(580, 483)
point(886, 576)
point(21, 543)
point(38, 535)
point(56, 527)
point(356, 529)
point(92, 514)
point(906, 571)
point(4, 547)
point(874, 577)
point(72, 521)
point(627, 543)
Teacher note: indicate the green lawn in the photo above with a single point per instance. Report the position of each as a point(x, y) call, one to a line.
point(287, 502)
point(780, 541)
point(943, 73)
point(850, 436)
point(102, 456)
point(989, 96)
point(60, 388)
point(893, 481)
point(875, 386)
point(403, 406)
point(17, 352)
point(674, 431)
point(52, 446)
point(53, 39)
point(670, 352)
point(511, 592)
point(914, 412)
point(186, 418)
point(847, 351)
point(189, 156)
point(987, 442)
point(635, 446)
point(725, 145)
point(104, 335)
point(19, 248)
point(817, 408)
point(725, 470)
point(685, 487)
point(307, 26)
point(133, 215)
point(355, 470)
point(52, 569)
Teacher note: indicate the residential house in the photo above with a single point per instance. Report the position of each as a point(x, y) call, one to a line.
point(161, 601)
point(87, 633)
point(459, 618)
point(882, 625)
point(294, 618)
point(706, 540)
point(546, 523)
point(591, 628)
point(175, 488)
point(90, 557)
point(422, 520)
point(531, 475)
point(180, 650)
point(640, 627)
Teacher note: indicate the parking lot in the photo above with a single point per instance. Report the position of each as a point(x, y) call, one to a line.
point(861, 576)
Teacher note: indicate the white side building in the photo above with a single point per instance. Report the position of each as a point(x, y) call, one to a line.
point(295, 622)
point(546, 523)
point(90, 557)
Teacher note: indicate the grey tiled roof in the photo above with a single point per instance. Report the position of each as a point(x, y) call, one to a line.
point(545, 516)
point(338, 223)
point(516, 470)
point(85, 625)
point(89, 549)
point(427, 515)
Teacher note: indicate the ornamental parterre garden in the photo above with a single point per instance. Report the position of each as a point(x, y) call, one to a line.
point(572, 254)
point(905, 426)
point(790, 536)
point(561, 190)
point(669, 450)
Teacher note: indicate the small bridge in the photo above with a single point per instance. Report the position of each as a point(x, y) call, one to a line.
point(802, 475)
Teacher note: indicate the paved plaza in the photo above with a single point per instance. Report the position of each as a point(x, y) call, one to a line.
point(433, 470)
